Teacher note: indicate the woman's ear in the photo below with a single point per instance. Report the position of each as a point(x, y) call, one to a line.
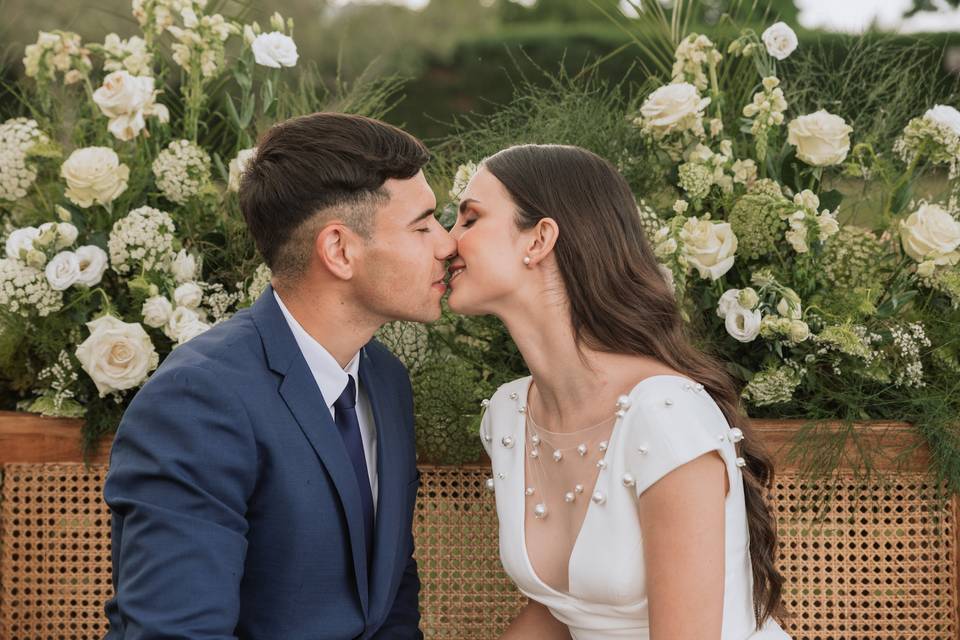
point(542, 240)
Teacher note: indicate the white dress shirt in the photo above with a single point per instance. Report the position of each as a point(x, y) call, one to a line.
point(332, 380)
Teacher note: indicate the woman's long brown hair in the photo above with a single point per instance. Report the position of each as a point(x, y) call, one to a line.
point(619, 302)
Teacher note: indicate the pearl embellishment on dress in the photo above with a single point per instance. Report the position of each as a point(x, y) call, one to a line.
point(629, 480)
point(557, 456)
point(741, 462)
point(569, 496)
point(490, 484)
point(582, 450)
point(598, 497)
point(507, 441)
point(735, 435)
point(540, 511)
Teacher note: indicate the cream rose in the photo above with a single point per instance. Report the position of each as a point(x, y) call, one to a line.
point(238, 165)
point(709, 246)
point(63, 270)
point(822, 139)
point(94, 175)
point(21, 241)
point(118, 355)
point(931, 233)
point(93, 264)
point(188, 295)
point(672, 106)
point(944, 115)
point(742, 324)
point(156, 311)
point(780, 40)
point(127, 100)
point(274, 50)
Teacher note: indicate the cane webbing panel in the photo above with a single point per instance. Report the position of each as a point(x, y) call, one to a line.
point(879, 565)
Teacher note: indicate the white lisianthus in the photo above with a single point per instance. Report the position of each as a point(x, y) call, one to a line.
point(729, 300)
point(183, 267)
point(674, 107)
point(822, 139)
point(742, 324)
point(21, 241)
point(127, 100)
point(780, 40)
point(189, 295)
point(238, 166)
point(709, 246)
point(94, 175)
point(931, 233)
point(944, 115)
point(275, 50)
point(191, 330)
point(156, 311)
point(118, 355)
point(93, 264)
point(63, 270)
point(181, 317)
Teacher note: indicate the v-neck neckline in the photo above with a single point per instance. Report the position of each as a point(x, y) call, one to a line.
point(614, 434)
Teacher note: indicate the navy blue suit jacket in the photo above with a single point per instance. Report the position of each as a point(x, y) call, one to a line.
point(235, 509)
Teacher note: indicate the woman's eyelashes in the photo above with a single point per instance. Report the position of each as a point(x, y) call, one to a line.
point(468, 222)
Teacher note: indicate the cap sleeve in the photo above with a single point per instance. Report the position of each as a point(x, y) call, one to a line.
point(670, 425)
point(486, 428)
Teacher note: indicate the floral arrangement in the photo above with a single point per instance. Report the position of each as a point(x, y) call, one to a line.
point(119, 220)
point(753, 208)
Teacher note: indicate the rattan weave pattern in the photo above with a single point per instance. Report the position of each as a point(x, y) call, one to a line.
point(879, 564)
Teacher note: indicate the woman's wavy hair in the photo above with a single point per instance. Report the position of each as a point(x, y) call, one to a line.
point(619, 302)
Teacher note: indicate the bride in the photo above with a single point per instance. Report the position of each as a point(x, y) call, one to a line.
point(628, 488)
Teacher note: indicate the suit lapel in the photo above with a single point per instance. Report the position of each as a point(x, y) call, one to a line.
point(299, 391)
point(392, 483)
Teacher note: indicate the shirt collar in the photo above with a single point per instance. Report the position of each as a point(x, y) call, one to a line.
point(330, 377)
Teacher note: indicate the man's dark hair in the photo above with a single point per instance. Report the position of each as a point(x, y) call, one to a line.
point(323, 163)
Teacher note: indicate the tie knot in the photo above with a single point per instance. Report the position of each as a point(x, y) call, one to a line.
point(347, 399)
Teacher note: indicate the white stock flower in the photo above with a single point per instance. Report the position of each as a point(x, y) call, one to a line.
point(20, 242)
point(93, 264)
point(156, 311)
point(131, 54)
point(931, 233)
point(780, 40)
point(94, 175)
point(117, 355)
point(275, 50)
point(822, 139)
point(238, 166)
point(742, 324)
point(944, 115)
point(709, 246)
point(181, 317)
point(674, 107)
point(182, 170)
point(189, 295)
point(63, 270)
point(127, 99)
point(144, 237)
point(183, 267)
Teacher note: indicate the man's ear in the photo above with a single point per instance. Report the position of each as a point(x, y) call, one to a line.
point(335, 247)
point(543, 239)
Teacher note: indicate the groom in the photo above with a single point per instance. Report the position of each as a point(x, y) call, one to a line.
point(262, 483)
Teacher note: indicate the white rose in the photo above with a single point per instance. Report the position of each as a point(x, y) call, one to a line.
point(21, 240)
point(274, 50)
point(94, 175)
point(191, 330)
point(93, 264)
point(183, 267)
point(156, 311)
point(63, 270)
point(118, 355)
point(709, 246)
point(238, 165)
point(181, 317)
point(799, 331)
point(944, 115)
point(188, 295)
point(666, 108)
point(930, 233)
point(821, 138)
point(729, 300)
point(742, 324)
point(122, 94)
point(780, 40)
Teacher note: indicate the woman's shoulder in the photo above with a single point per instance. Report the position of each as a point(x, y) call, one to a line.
point(510, 393)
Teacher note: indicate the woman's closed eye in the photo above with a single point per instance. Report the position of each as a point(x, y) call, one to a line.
point(468, 222)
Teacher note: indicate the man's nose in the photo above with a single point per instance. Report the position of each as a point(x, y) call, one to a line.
point(448, 246)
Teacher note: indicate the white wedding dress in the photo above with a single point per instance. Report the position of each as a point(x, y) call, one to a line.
point(669, 421)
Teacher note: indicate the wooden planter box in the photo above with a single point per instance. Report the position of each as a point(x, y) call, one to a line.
point(881, 559)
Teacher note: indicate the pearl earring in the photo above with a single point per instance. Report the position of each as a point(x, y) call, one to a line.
point(526, 260)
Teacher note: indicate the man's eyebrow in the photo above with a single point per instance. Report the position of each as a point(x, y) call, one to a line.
point(421, 217)
point(466, 203)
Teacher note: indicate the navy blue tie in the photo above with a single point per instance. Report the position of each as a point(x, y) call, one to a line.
point(346, 419)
